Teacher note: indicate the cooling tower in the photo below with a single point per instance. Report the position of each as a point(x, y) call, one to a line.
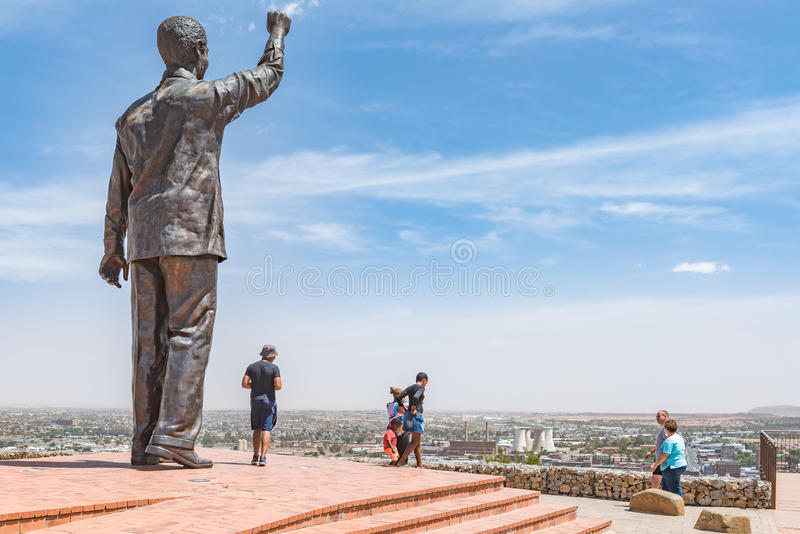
point(548, 438)
point(521, 437)
point(543, 439)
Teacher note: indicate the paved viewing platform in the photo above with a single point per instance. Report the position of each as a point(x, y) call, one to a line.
point(102, 493)
point(784, 520)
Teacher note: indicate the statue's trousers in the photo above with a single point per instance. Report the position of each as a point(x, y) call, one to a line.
point(173, 303)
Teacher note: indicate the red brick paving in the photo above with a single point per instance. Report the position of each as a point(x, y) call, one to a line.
point(103, 493)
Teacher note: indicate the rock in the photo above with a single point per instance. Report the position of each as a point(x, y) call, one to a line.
point(715, 522)
point(657, 501)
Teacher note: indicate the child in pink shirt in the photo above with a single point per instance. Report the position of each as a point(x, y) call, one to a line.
point(390, 440)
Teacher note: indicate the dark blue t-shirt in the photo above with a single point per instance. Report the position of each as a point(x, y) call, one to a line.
point(415, 394)
point(261, 375)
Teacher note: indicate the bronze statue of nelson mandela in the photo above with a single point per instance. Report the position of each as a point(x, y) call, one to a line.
point(164, 194)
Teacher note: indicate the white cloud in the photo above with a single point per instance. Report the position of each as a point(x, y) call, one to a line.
point(557, 32)
point(707, 216)
point(57, 204)
point(31, 254)
point(332, 235)
point(669, 176)
point(696, 43)
point(43, 229)
point(703, 267)
point(91, 150)
point(296, 8)
point(470, 11)
point(545, 222)
point(752, 151)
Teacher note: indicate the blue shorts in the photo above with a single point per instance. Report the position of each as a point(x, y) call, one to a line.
point(413, 423)
point(263, 414)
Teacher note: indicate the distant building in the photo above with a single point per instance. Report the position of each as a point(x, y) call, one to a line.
point(726, 452)
point(463, 448)
point(730, 468)
point(241, 445)
point(64, 422)
point(572, 462)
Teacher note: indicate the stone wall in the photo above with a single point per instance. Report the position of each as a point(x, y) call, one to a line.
point(617, 485)
point(18, 455)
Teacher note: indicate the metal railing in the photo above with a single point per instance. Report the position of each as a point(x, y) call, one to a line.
point(779, 453)
point(767, 465)
point(787, 445)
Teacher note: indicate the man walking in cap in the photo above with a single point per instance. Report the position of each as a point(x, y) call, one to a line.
point(263, 379)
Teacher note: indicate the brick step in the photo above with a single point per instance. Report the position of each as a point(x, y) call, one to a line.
point(434, 515)
point(555, 520)
point(40, 518)
point(537, 517)
point(269, 516)
point(582, 525)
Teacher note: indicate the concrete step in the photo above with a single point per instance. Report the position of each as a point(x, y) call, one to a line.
point(431, 516)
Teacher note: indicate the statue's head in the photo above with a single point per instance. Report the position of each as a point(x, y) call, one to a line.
point(182, 43)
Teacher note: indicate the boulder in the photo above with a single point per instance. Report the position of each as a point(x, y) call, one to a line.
point(715, 522)
point(656, 501)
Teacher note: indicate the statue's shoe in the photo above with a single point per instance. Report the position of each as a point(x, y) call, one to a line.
point(145, 459)
point(185, 457)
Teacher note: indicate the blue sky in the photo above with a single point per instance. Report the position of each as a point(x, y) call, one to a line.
point(640, 158)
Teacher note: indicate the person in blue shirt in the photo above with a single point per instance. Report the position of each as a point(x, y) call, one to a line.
point(412, 419)
point(672, 459)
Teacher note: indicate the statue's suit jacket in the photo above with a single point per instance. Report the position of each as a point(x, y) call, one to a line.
point(164, 190)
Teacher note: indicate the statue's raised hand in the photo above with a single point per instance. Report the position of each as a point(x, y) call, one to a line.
point(278, 22)
point(110, 266)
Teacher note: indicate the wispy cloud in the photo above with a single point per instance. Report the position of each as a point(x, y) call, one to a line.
point(545, 222)
point(752, 151)
point(470, 11)
point(707, 216)
point(700, 44)
point(682, 175)
point(28, 254)
point(59, 204)
point(703, 267)
point(328, 234)
point(548, 30)
point(293, 9)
